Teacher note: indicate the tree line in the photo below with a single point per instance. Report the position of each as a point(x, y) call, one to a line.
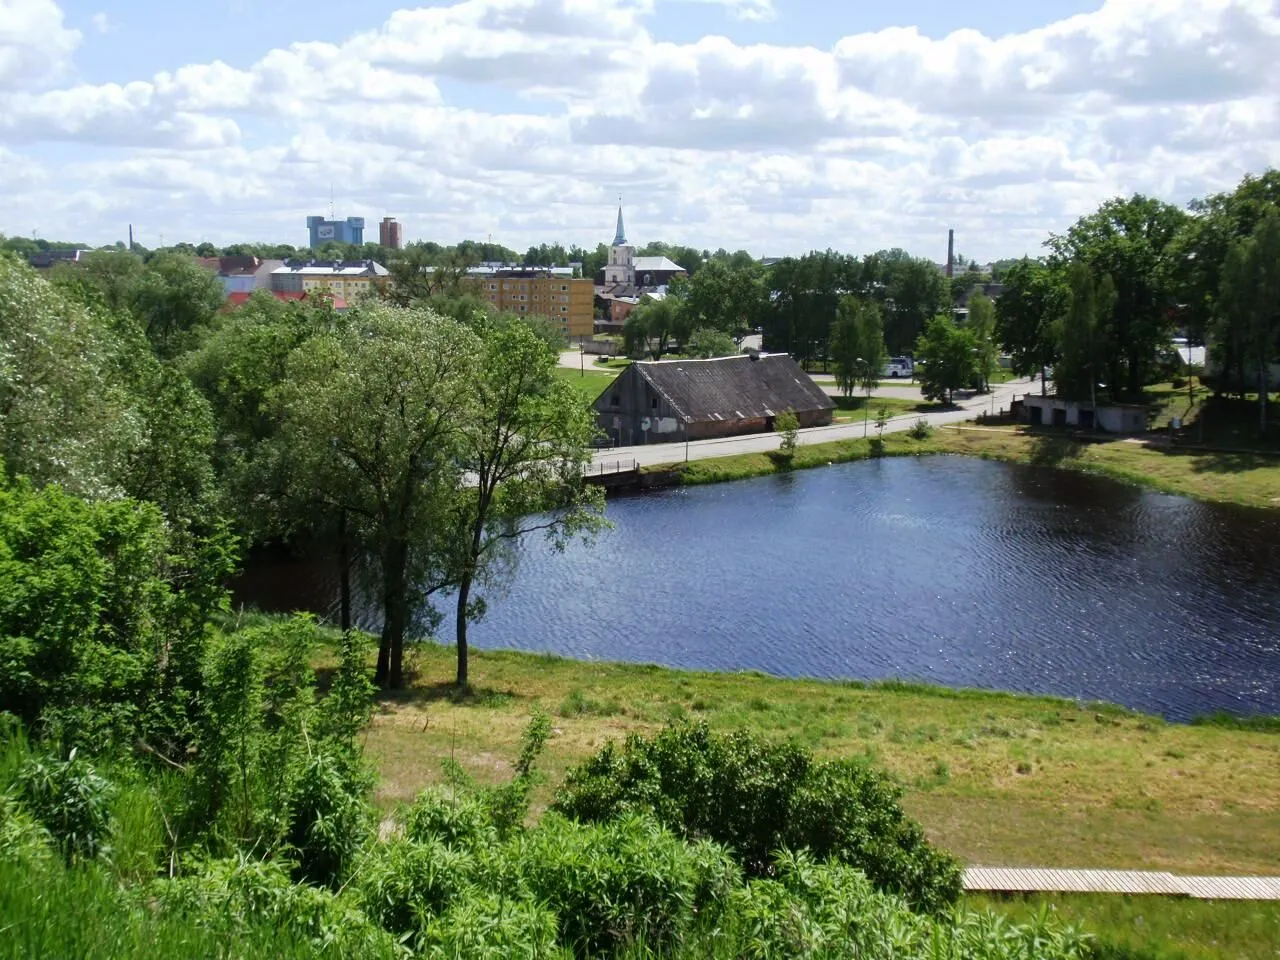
point(1101, 307)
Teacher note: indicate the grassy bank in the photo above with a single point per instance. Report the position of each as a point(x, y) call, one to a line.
point(998, 779)
point(1250, 479)
point(1158, 928)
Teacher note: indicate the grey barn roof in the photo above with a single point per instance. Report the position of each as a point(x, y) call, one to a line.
point(734, 388)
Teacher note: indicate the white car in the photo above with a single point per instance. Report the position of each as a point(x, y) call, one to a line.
point(897, 367)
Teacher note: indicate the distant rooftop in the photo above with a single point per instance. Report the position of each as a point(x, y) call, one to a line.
point(333, 268)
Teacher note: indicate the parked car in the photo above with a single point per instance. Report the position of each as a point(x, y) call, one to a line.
point(897, 367)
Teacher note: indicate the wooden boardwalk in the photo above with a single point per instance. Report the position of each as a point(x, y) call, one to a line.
point(1018, 880)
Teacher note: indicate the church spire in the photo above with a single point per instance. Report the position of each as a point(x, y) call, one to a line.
point(620, 238)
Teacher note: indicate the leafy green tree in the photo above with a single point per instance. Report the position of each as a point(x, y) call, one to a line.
point(103, 617)
point(1132, 241)
point(174, 300)
point(788, 427)
point(913, 291)
point(1250, 301)
point(707, 342)
point(1080, 359)
point(726, 296)
point(66, 413)
point(522, 439)
point(982, 322)
point(369, 416)
point(947, 354)
point(651, 326)
point(1034, 297)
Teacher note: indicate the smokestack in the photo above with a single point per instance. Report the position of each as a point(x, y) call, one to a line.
point(951, 254)
point(131, 236)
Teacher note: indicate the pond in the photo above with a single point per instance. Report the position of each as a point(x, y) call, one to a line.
point(948, 570)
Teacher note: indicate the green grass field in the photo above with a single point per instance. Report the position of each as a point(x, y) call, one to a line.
point(998, 779)
point(589, 383)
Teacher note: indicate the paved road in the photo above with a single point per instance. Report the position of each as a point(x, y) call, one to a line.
point(965, 409)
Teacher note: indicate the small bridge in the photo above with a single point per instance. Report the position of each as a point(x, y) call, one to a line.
point(612, 473)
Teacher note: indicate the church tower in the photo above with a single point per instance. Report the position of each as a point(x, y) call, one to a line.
point(621, 268)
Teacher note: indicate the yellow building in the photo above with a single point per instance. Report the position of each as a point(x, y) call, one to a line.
point(541, 292)
point(343, 278)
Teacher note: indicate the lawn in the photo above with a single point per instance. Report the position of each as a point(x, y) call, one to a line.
point(854, 409)
point(998, 779)
point(589, 383)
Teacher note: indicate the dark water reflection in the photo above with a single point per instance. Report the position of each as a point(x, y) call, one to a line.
point(953, 571)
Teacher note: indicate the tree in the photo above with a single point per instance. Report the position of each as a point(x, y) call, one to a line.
point(1132, 241)
point(706, 343)
point(173, 300)
point(1075, 376)
point(726, 296)
point(66, 414)
point(369, 417)
point(947, 354)
point(982, 322)
point(651, 326)
point(1250, 297)
point(1025, 314)
point(788, 427)
point(523, 440)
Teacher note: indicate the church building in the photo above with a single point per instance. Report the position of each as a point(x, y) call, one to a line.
point(627, 279)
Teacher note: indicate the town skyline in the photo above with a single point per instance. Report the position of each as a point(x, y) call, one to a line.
point(734, 124)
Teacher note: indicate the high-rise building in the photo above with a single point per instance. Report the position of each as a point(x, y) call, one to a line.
point(389, 234)
point(350, 230)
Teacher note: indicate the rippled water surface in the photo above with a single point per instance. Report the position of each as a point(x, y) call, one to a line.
point(948, 570)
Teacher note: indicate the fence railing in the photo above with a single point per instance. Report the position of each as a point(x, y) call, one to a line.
point(603, 468)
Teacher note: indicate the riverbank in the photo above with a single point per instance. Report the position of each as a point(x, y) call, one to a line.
point(1240, 477)
point(998, 779)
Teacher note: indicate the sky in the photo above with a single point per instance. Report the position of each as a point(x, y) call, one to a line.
point(778, 126)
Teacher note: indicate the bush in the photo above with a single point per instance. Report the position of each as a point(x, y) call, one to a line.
point(758, 797)
point(485, 925)
point(788, 427)
point(920, 430)
point(329, 819)
point(402, 884)
point(70, 800)
point(623, 883)
point(817, 910)
point(461, 822)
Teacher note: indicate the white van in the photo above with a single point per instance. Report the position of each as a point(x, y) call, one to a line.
point(897, 367)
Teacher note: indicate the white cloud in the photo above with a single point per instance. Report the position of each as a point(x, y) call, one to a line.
point(100, 22)
point(34, 43)
point(880, 139)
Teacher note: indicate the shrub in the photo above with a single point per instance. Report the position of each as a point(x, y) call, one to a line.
point(623, 883)
point(920, 430)
point(788, 428)
point(811, 909)
point(403, 884)
point(461, 822)
point(485, 925)
point(329, 819)
point(237, 895)
point(70, 800)
point(758, 797)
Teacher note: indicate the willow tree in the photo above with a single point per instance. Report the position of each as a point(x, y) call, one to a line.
point(522, 445)
point(370, 420)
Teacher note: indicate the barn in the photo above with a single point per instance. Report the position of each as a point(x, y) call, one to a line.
point(665, 401)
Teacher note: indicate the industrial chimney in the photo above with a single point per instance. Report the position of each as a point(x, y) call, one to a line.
point(951, 254)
